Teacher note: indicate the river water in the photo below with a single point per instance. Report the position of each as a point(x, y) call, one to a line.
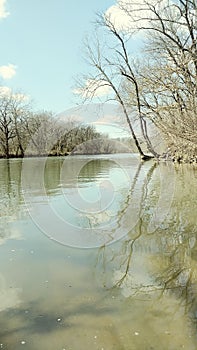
point(97, 252)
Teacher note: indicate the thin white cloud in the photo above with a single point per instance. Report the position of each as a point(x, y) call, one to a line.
point(3, 12)
point(134, 14)
point(118, 17)
point(5, 91)
point(93, 88)
point(130, 14)
point(8, 72)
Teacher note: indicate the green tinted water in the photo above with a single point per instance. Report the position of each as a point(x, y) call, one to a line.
point(97, 253)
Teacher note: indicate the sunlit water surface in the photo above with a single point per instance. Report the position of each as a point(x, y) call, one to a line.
point(97, 253)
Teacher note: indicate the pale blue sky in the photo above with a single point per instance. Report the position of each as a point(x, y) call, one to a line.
point(44, 40)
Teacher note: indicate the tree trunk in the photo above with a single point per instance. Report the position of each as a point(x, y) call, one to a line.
point(7, 151)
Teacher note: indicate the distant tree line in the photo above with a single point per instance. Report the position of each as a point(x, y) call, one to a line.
point(105, 145)
point(26, 133)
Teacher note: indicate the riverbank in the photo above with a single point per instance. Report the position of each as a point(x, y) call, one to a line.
point(180, 156)
point(177, 157)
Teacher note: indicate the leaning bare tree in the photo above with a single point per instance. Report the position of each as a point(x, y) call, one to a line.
point(111, 66)
point(161, 87)
point(168, 77)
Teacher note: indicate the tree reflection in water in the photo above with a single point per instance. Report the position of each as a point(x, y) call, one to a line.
point(160, 264)
point(11, 198)
point(144, 293)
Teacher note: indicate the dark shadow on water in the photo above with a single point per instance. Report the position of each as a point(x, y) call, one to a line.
point(32, 318)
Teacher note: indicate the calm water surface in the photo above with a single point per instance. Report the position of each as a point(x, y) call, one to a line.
point(97, 253)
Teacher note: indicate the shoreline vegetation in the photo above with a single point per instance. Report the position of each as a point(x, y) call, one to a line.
point(41, 135)
point(27, 134)
point(164, 157)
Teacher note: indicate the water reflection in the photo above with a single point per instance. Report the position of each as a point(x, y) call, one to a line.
point(10, 186)
point(84, 208)
point(137, 293)
point(10, 198)
point(9, 297)
point(161, 266)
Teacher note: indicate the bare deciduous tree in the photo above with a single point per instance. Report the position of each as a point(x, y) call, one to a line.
point(110, 70)
point(168, 78)
point(13, 111)
point(162, 86)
